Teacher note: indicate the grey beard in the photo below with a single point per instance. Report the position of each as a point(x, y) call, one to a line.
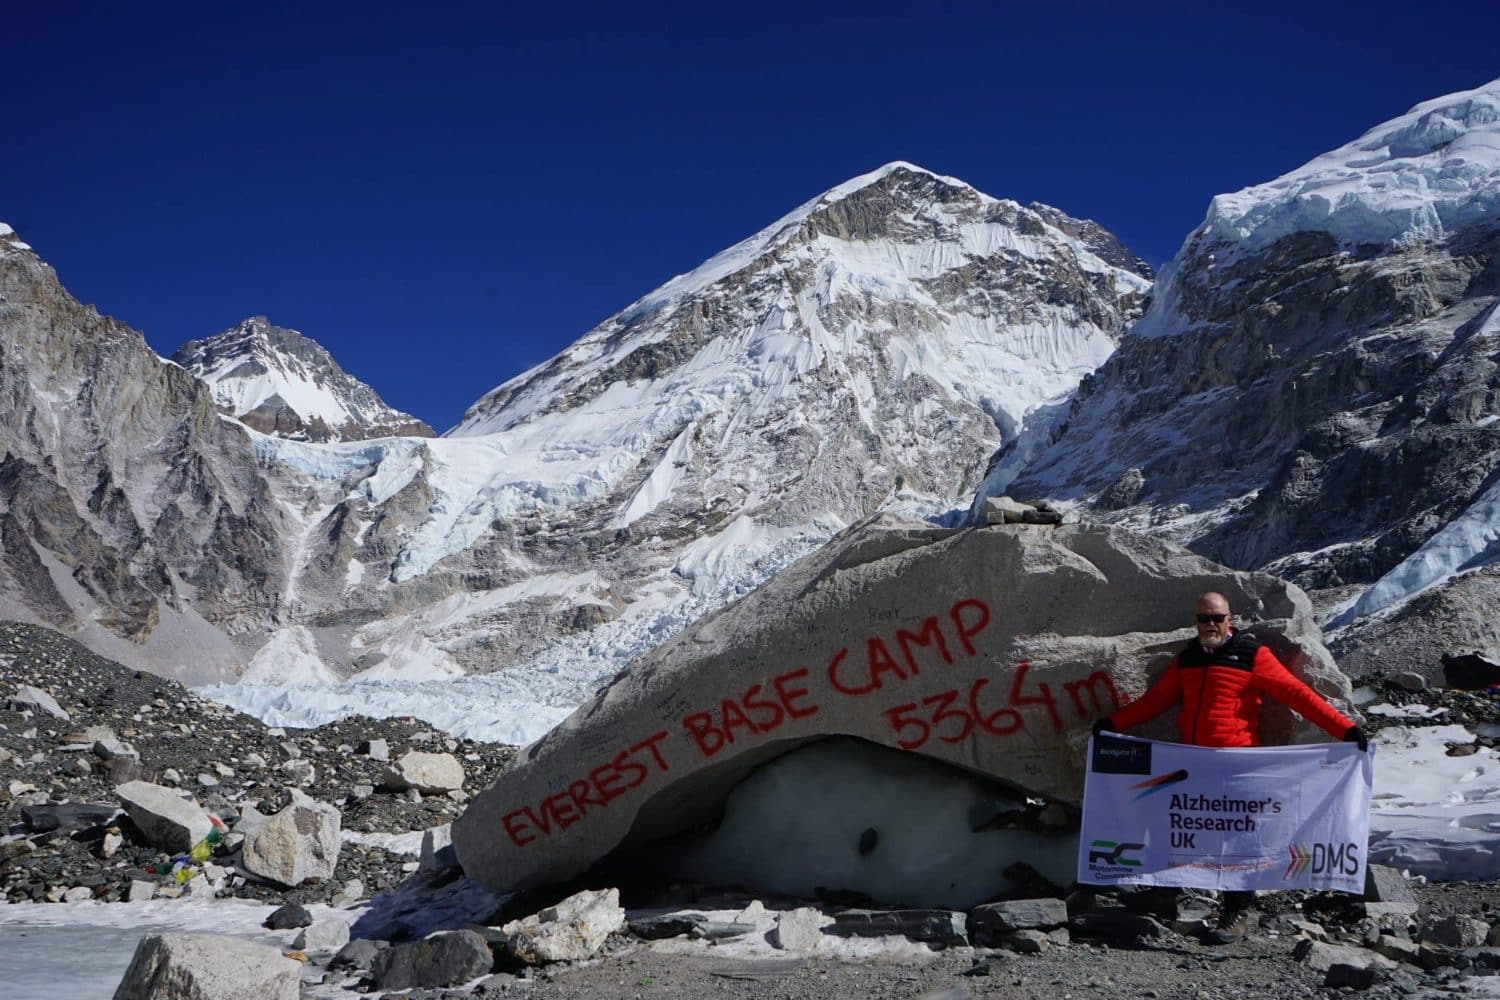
point(1211, 642)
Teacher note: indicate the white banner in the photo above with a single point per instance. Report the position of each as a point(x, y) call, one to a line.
point(1168, 814)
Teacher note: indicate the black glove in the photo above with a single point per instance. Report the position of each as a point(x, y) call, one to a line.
point(1102, 725)
point(1357, 735)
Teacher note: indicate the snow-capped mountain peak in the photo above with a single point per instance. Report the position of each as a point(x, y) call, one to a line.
point(280, 382)
point(897, 233)
point(1419, 177)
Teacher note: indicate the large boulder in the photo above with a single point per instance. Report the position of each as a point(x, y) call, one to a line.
point(164, 817)
point(991, 649)
point(208, 967)
point(300, 842)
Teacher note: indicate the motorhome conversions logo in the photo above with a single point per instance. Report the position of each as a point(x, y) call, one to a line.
point(1114, 859)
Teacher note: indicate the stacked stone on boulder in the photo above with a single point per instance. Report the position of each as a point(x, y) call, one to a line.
point(990, 649)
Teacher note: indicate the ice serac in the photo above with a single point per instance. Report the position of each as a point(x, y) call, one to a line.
point(1313, 391)
point(283, 383)
point(990, 650)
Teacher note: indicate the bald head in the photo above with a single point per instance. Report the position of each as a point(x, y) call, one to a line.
point(1213, 619)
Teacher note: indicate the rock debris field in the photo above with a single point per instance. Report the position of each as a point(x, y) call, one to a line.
point(118, 786)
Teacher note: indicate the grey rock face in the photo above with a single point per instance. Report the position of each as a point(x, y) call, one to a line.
point(132, 485)
point(1321, 380)
point(1300, 402)
point(208, 967)
point(1456, 619)
point(258, 351)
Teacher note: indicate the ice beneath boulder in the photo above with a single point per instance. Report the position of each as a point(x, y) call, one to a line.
point(848, 815)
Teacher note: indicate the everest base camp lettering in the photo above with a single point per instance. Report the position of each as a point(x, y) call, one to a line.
point(882, 663)
point(611, 779)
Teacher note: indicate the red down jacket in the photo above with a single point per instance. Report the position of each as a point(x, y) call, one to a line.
point(1220, 692)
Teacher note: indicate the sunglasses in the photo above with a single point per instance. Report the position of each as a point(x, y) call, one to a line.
point(1216, 619)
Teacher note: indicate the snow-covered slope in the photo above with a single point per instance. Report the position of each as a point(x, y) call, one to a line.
point(867, 351)
point(282, 383)
point(1314, 389)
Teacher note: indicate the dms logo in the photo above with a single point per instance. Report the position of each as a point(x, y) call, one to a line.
point(1109, 853)
point(1323, 859)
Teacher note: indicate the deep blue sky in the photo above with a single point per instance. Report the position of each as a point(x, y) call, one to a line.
point(445, 194)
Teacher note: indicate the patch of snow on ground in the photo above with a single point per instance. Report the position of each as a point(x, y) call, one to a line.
point(1431, 814)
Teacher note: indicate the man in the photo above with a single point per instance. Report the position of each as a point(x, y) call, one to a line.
point(1218, 680)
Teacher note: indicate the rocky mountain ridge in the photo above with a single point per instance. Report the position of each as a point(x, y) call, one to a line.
point(1314, 389)
point(130, 512)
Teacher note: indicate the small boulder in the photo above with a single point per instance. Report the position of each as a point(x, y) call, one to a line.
point(1455, 931)
point(111, 747)
point(437, 851)
point(446, 958)
point(208, 967)
point(67, 816)
point(991, 922)
point(357, 954)
point(939, 928)
point(288, 916)
point(1469, 672)
point(328, 934)
point(1322, 957)
point(798, 930)
point(1388, 892)
point(666, 925)
point(299, 771)
point(34, 699)
point(1354, 977)
point(299, 843)
point(426, 772)
point(375, 749)
point(570, 931)
point(165, 818)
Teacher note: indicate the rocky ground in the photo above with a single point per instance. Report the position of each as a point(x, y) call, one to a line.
point(229, 762)
point(1433, 939)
